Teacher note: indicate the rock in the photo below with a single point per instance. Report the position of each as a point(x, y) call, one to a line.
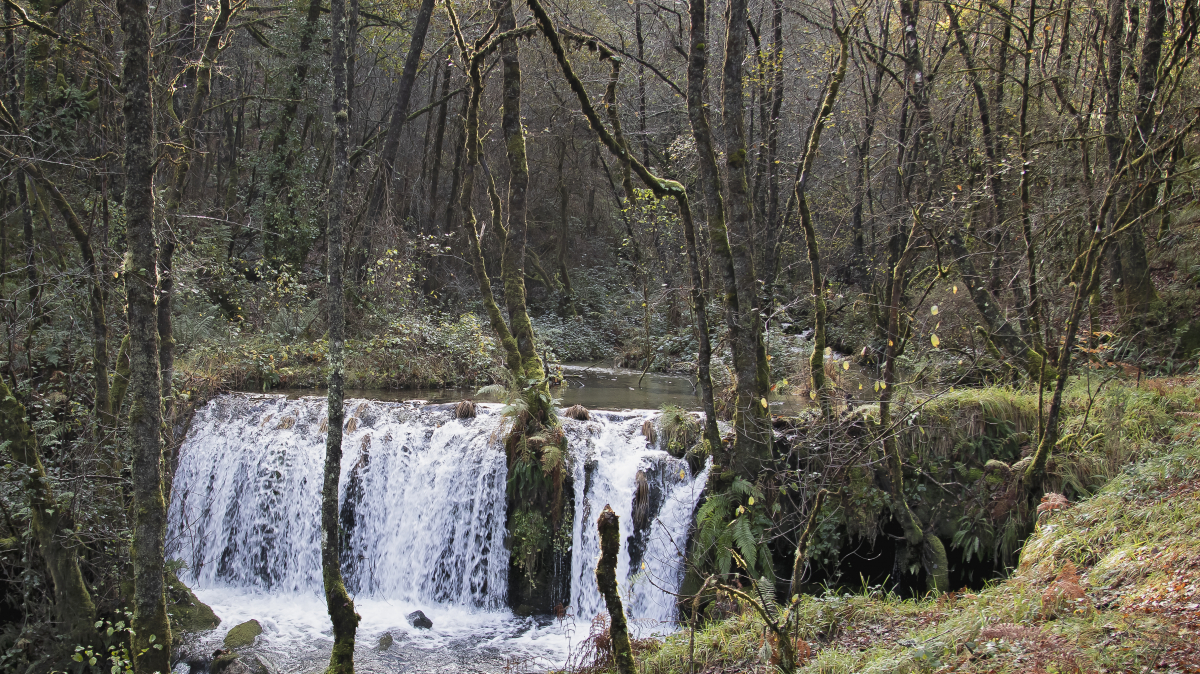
point(225, 662)
point(188, 613)
point(385, 641)
point(264, 666)
point(524, 611)
point(243, 635)
point(418, 619)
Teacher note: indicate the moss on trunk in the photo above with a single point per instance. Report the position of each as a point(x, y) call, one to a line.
point(606, 579)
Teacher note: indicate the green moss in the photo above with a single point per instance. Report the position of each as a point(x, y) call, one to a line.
point(188, 613)
point(680, 430)
point(1133, 544)
point(243, 634)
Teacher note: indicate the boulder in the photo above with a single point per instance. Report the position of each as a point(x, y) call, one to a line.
point(417, 619)
point(224, 662)
point(385, 641)
point(188, 613)
point(243, 635)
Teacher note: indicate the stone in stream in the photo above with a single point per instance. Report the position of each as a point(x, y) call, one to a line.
point(418, 619)
point(243, 635)
point(385, 642)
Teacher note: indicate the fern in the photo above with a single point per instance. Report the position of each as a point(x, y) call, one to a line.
point(746, 544)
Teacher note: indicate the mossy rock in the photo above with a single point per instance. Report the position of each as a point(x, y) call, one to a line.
point(243, 635)
point(188, 613)
point(385, 642)
point(227, 663)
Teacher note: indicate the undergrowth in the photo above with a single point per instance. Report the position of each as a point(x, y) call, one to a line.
point(1108, 583)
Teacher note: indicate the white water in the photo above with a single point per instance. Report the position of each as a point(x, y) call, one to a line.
point(425, 528)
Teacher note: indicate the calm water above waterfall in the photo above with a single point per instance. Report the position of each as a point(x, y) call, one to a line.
point(423, 512)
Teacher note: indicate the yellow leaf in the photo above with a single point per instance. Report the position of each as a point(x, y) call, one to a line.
point(783, 383)
point(828, 351)
point(764, 402)
point(812, 394)
point(934, 340)
point(682, 475)
point(883, 384)
point(955, 290)
point(751, 501)
point(860, 387)
point(890, 343)
point(877, 387)
point(846, 365)
point(933, 310)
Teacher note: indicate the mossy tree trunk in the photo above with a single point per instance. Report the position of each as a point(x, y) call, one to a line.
point(751, 418)
point(928, 545)
point(531, 375)
point(606, 580)
point(710, 177)
point(817, 360)
point(337, 599)
point(152, 629)
point(73, 602)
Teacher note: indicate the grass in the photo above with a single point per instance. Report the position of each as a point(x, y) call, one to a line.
point(1133, 607)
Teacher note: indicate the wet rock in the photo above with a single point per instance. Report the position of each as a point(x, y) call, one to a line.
point(385, 641)
point(524, 610)
point(243, 635)
point(188, 613)
point(225, 662)
point(262, 665)
point(418, 619)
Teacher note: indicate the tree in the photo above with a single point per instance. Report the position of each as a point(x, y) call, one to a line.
point(337, 600)
point(152, 628)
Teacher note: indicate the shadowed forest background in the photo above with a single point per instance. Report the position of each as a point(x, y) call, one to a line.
point(927, 266)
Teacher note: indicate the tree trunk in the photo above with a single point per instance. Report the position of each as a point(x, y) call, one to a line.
point(513, 265)
point(930, 546)
point(152, 630)
point(817, 360)
point(710, 181)
point(337, 600)
point(752, 419)
point(606, 580)
point(72, 601)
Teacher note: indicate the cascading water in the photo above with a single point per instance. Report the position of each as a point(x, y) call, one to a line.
point(423, 516)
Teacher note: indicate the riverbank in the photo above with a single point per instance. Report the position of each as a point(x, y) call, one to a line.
point(1110, 583)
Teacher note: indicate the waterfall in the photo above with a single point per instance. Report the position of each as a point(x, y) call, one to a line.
point(422, 505)
point(608, 454)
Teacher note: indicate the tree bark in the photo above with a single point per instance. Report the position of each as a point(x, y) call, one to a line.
point(152, 628)
point(752, 419)
point(931, 547)
point(513, 265)
point(817, 360)
point(337, 600)
point(606, 579)
point(49, 518)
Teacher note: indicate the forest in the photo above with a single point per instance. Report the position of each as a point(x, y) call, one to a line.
point(889, 312)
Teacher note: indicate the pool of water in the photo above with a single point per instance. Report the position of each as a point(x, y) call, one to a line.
point(594, 387)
